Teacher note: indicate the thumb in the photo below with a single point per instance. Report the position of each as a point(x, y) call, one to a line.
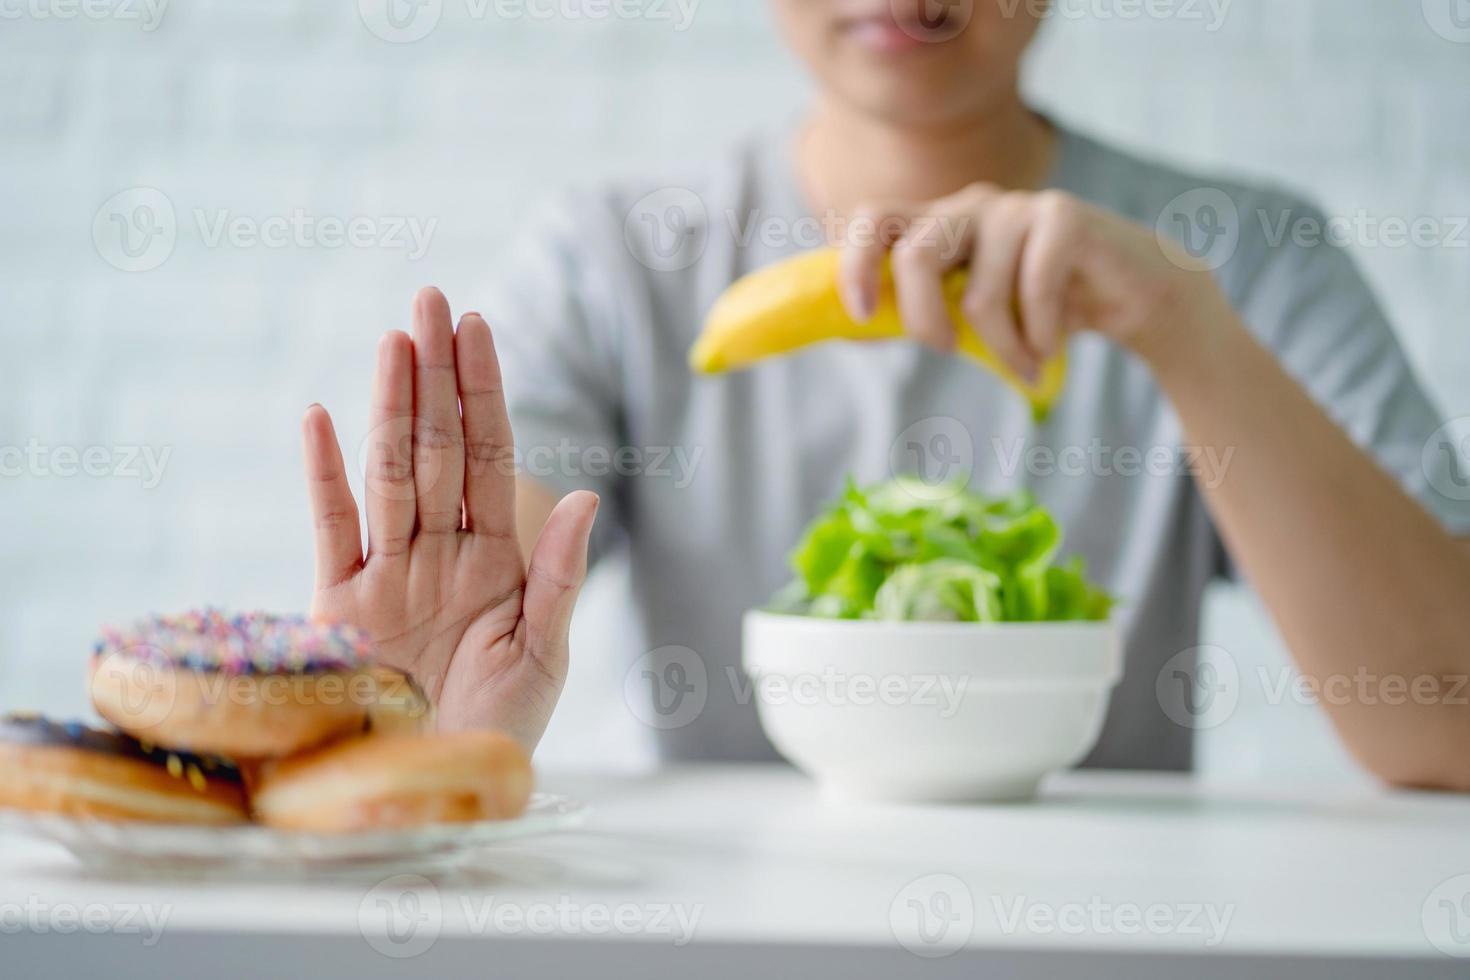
point(558, 568)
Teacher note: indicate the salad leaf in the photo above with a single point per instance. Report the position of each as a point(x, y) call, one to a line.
point(1070, 596)
point(906, 550)
point(945, 589)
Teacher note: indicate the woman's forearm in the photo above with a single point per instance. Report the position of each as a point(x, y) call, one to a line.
point(1362, 581)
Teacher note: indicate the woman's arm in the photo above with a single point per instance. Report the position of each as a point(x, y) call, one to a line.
point(1372, 594)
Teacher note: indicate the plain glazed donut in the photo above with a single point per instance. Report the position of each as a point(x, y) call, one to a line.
point(400, 706)
point(244, 687)
point(380, 782)
point(78, 771)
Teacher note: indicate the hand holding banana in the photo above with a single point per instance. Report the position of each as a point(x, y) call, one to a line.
point(1001, 276)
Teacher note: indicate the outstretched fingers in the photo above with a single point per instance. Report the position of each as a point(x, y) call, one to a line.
point(333, 509)
point(390, 485)
point(558, 568)
point(438, 434)
point(490, 487)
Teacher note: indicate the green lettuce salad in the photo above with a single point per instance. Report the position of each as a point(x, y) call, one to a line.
point(904, 551)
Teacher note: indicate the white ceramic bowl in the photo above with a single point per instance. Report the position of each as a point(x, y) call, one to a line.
point(927, 712)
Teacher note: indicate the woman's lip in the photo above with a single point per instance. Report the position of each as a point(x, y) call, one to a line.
point(883, 34)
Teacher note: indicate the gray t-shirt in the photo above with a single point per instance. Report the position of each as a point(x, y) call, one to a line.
point(708, 482)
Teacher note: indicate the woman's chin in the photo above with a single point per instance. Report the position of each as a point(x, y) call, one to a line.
point(913, 98)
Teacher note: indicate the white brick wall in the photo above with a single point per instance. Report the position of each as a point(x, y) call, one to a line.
point(265, 107)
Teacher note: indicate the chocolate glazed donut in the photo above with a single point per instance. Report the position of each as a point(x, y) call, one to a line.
point(79, 771)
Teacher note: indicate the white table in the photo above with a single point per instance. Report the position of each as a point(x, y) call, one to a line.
point(1109, 875)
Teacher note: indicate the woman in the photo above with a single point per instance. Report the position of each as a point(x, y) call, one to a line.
point(1273, 361)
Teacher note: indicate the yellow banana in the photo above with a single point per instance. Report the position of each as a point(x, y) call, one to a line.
point(795, 303)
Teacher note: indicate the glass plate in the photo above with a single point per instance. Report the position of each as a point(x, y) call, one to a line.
point(254, 848)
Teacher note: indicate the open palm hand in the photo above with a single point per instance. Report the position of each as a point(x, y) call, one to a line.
point(442, 587)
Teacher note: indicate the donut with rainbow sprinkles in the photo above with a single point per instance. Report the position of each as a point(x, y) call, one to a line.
point(246, 686)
